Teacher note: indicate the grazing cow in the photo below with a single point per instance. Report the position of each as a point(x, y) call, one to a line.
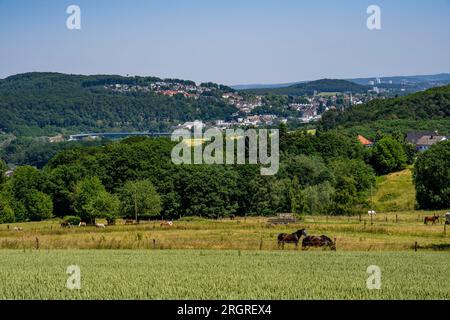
point(372, 213)
point(18, 229)
point(100, 225)
point(166, 224)
point(432, 219)
point(290, 238)
point(322, 241)
point(232, 217)
point(82, 224)
point(66, 224)
point(129, 221)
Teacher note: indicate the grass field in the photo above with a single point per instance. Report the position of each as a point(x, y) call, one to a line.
point(225, 274)
point(395, 192)
point(239, 259)
point(389, 232)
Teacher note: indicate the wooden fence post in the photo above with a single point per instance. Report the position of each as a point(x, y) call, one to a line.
point(154, 243)
point(445, 229)
point(37, 243)
point(260, 244)
point(364, 224)
point(415, 246)
point(371, 219)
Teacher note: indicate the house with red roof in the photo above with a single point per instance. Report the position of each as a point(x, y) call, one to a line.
point(364, 141)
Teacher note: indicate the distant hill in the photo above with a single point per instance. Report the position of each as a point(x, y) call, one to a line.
point(423, 110)
point(396, 80)
point(308, 88)
point(34, 104)
point(406, 79)
point(265, 86)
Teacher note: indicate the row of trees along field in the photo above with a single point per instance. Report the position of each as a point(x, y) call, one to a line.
point(326, 173)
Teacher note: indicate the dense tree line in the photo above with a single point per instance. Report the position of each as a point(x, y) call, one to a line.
point(136, 177)
point(327, 173)
point(37, 152)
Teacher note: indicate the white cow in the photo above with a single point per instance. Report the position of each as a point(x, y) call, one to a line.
point(372, 213)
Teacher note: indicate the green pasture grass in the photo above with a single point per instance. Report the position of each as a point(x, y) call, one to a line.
point(395, 192)
point(391, 231)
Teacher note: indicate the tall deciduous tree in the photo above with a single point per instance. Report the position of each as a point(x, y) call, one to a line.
point(388, 156)
point(39, 206)
point(432, 177)
point(92, 201)
point(140, 199)
point(3, 169)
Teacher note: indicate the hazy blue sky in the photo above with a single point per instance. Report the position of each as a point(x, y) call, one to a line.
point(231, 42)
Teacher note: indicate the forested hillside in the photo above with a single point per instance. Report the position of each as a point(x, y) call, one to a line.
point(45, 103)
point(426, 110)
point(308, 88)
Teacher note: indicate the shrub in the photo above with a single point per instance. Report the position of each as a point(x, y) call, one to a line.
point(73, 220)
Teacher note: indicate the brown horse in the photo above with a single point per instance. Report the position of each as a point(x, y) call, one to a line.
point(290, 238)
point(432, 219)
point(322, 241)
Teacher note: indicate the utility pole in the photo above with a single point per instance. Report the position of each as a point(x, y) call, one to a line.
point(371, 196)
point(136, 208)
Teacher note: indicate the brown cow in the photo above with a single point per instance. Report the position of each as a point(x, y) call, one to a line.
point(166, 224)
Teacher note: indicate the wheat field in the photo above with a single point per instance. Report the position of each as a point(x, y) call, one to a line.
point(222, 274)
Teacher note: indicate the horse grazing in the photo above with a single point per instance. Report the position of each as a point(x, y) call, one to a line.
point(432, 219)
point(82, 224)
point(290, 238)
point(322, 241)
point(372, 213)
point(166, 224)
point(100, 225)
point(18, 229)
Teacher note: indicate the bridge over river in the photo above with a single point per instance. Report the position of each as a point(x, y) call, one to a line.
point(117, 135)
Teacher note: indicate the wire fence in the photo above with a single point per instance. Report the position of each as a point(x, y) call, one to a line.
point(148, 243)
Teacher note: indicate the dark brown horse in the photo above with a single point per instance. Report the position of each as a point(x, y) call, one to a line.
point(432, 219)
point(290, 238)
point(322, 241)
